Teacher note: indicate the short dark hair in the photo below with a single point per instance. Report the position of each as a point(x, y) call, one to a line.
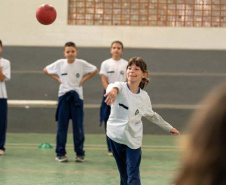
point(70, 44)
point(119, 42)
point(0, 43)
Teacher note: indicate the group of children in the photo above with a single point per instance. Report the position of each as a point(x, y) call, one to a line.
point(124, 104)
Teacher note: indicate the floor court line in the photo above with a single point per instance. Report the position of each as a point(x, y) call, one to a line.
point(90, 145)
point(80, 172)
point(96, 149)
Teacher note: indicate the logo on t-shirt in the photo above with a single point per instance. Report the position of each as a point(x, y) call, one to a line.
point(77, 75)
point(122, 72)
point(137, 112)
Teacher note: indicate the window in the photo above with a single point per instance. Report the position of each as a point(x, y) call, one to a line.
point(174, 13)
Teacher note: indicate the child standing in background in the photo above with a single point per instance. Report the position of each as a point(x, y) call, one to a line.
point(5, 75)
point(71, 73)
point(112, 70)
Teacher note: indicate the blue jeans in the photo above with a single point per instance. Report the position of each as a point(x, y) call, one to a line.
point(67, 109)
point(128, 162)
point(3, 122)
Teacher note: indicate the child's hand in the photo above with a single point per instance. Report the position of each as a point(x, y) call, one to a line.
point(59, 80)
point(81, 82)
point(174, 132)
point(111, 96)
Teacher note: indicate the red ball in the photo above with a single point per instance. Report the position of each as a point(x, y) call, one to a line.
point(46, 14)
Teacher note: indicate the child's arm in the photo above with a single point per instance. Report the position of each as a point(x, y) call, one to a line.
point(103, 73)
point(52, 75)
point(158, 120)
point(5, 73)
point(86, 77)
point(2, 76)
point(104, 80)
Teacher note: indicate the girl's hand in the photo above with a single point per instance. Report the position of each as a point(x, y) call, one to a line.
point(174, 132)
point(111, 96)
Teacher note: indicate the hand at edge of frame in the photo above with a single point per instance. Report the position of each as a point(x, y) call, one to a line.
point(174, 132)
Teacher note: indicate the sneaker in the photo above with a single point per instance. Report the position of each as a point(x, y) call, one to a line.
point(110, 154)
point(80, 159)
point(2, 152)
point(62, 158)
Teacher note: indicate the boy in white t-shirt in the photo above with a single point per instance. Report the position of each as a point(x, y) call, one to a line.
point(112, 70)
point(71, 73)
point(129, 103)
point(5, 75)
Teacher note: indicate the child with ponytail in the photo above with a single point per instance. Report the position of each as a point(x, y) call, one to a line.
point(129, 103)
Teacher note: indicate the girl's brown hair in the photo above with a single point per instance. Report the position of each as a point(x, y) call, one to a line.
point(138, 61)
point(204, 161)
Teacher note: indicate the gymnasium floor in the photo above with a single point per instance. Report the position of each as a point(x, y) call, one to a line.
point(25, 163)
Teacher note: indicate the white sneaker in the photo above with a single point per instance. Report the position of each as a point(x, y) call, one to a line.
point(80, 159)
point(110, 154)
point(2, 152)
point(61, 158)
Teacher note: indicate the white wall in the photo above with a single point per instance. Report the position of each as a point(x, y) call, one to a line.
point(19, 27)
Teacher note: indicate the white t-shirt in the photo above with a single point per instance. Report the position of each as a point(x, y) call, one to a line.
point(70, 74)
point(124, 125)
point(6, 70)
point(114, 70)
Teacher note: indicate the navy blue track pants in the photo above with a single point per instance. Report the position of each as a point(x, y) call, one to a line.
point(128, 162)
point(3, 122)
point(69, 110)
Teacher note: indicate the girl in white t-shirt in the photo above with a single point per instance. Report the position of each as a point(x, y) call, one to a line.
point(129, 103)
